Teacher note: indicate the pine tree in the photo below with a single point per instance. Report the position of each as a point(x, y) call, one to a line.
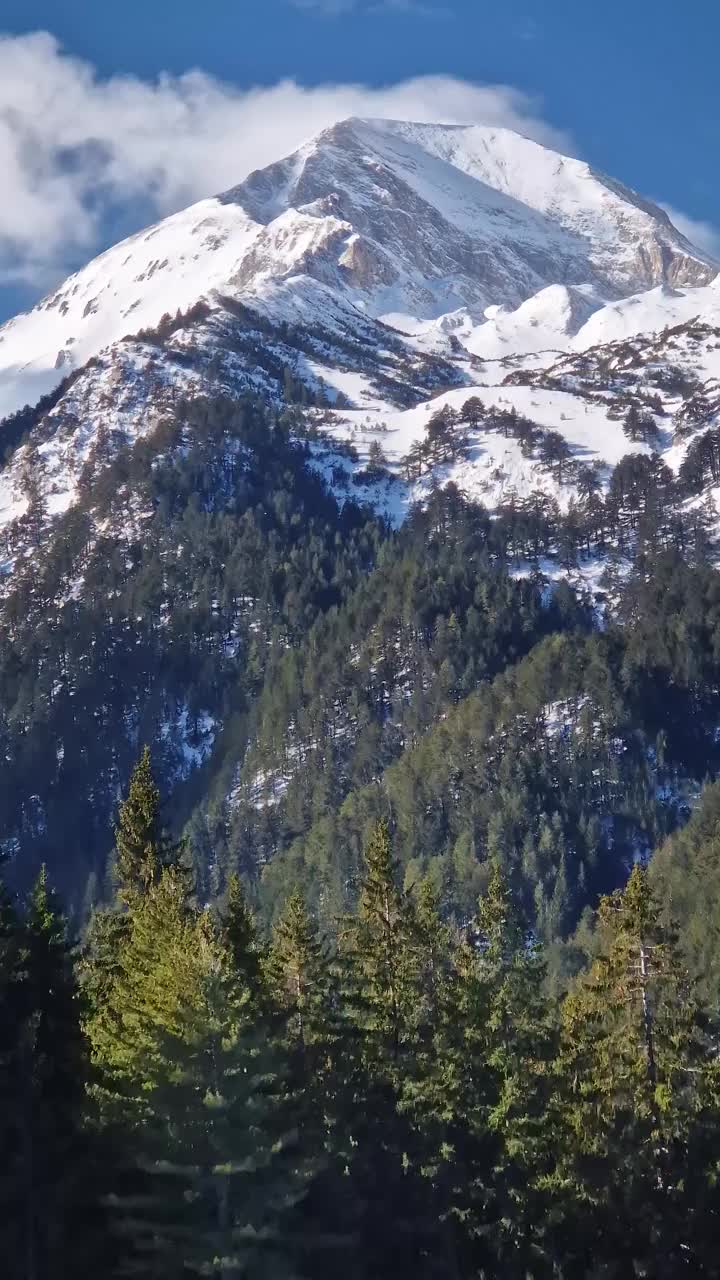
point(510, 972)
point(480, 1105)
point(132, 964)
point(326, 1082)
point(640, 426)
point(50, 1213)
point(376, 456)
point(143, 854)
point(299, 975)
point(432, 940)
point(192, 1075)
point(320, 1044)
point(555, 451)
point(473, 411)
point(635, 1079)
point(142, 848)
point(139, 997)
point(226, 1173)
point(12, 1001)
point(378, 942)
point(381, 993)
point(240, 934)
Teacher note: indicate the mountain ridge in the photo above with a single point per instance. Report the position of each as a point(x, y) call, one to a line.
point(389, 217)
point(284, 282)
point(250, 456)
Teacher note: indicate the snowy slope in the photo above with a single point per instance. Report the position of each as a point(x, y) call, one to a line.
point(396, 268)
point(403, 221)
point(160, 270)
point(496, 468)
point(620, 235)
point(583, 396)
point(571, 318)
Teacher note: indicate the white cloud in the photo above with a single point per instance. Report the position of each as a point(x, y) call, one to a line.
point(81, 156)
point(702, 234)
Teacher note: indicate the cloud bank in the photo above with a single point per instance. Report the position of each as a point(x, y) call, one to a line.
point(702, 234)
point(86, 159)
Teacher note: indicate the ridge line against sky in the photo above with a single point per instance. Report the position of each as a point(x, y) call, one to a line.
point(89, 157)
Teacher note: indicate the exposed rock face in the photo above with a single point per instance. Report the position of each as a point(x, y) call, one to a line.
point(496, 214)
point(399, 218)
point(381, 266)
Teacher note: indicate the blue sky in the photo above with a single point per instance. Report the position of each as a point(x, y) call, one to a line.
point(632, 84)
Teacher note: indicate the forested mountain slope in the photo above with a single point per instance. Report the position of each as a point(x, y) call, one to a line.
point(306, 507)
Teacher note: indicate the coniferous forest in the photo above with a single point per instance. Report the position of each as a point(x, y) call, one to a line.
point(395, 952)
point(359, 642)
point(185, 1095)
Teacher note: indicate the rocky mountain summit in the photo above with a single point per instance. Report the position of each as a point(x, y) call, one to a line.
point(402, 222)
point(381, 263)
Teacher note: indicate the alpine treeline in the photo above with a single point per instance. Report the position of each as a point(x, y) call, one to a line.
point(184, 1094)
point(302, 670)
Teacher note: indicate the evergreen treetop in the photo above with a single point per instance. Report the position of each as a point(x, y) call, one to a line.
point(142, 847)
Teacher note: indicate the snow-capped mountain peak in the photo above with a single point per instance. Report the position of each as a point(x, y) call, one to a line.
point(407, 222)
point(386, 270)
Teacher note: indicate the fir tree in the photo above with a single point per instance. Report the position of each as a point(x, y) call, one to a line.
point(240, 934)
point(636, 1075)
point(225, 1175)
point(379, 946)
point(479, 1106)
point(380, 989)
point(299, 975)
point(142, 848)
point(50, 1215)
point(189, 1073)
